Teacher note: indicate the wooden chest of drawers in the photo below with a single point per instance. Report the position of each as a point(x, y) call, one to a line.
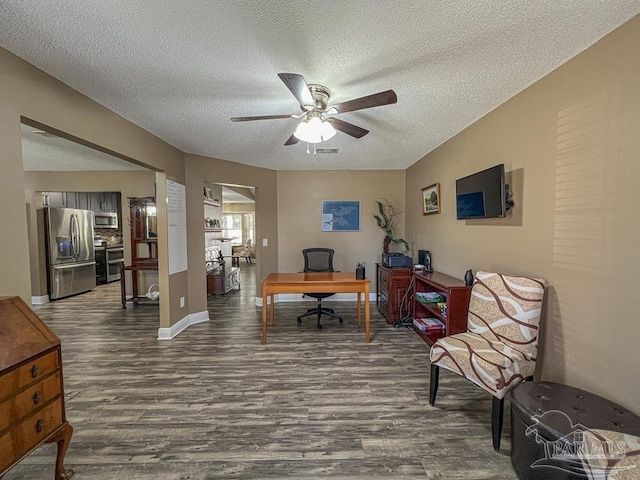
point(31, 389)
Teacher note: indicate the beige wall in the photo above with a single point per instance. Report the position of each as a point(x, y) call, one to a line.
point(573, 137)
point(209, 170)
point(300, 196)
point(27, 92)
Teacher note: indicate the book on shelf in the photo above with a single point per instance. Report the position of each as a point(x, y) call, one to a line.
point(428, 324)
point(429, 297)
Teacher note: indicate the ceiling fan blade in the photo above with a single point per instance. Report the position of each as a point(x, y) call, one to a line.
point(292, 140)
point(263, 117)
point(348, 128)
point(298, 87)
point(376, 100)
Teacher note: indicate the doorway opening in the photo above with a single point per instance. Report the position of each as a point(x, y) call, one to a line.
point(230, 232)
point(69, 175)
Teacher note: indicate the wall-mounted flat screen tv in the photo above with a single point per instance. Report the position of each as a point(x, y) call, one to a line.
point(481, 195)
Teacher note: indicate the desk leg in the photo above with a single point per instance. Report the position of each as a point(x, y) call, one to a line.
point(273, 309)
point(366, 313)
point(359, 309)
point(264, 314)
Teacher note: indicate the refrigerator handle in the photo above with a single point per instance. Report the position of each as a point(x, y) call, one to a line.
point(74, 234)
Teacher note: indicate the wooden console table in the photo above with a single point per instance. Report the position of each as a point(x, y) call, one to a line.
point(223, 281)
point(32, 410)
point(326, 282)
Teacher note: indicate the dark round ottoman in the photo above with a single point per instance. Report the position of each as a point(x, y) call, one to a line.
point(547, 421)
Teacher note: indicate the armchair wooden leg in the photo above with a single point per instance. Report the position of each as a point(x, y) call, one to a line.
point(433, 383)
point(497, 411)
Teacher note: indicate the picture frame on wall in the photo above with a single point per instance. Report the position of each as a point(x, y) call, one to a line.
point(431, 199)
point(340, 216)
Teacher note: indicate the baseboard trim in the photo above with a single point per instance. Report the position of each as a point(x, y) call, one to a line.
point(41, 300)
point(186, 322)
point(296, 297)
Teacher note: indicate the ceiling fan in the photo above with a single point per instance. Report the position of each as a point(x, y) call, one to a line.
point(317, 125)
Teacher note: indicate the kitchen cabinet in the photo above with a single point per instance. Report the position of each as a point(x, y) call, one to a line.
point(81, 200)
point(96, 201)
point(61, 199)
point(104, 201)
point(54, 199)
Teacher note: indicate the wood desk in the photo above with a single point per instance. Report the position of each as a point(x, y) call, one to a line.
point(329, 282)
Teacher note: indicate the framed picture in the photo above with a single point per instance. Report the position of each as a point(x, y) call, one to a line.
point(431, 199)
point(340, 216)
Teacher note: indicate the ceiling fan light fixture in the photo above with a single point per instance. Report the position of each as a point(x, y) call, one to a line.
point(314, 130)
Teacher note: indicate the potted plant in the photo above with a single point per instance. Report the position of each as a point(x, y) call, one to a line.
point(385, 219)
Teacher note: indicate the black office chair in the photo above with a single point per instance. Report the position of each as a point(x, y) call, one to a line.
point(318, 260)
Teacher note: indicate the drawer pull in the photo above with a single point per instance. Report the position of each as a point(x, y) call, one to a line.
point(35, 370)
point(36, 398)
point(39, 426)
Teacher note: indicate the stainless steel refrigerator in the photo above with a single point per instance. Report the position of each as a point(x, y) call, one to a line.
point(71, 262)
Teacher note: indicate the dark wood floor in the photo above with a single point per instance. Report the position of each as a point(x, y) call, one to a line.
point(216, 404)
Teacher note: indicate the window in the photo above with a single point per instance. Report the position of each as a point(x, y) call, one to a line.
point(232, 227)
point(238, 226)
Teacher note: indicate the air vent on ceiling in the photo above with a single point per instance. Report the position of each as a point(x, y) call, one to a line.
point(327, 150)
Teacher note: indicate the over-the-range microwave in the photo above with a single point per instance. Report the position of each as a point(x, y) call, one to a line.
point(105, 220)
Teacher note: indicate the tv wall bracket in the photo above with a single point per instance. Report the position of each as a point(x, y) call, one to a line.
point(508, 196)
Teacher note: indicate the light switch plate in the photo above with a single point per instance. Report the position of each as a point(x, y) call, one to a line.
point(265, 242)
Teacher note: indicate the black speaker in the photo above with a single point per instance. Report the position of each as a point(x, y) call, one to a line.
point(424, 258)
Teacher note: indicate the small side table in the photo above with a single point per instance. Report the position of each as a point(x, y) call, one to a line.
point(134, 269)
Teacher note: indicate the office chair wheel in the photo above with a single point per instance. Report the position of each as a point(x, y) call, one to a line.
point(319, 327)
point(299, 320)
point(340, 319)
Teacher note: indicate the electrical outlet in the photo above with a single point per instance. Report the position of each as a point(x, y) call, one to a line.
point(265, 242)
point(181, 302)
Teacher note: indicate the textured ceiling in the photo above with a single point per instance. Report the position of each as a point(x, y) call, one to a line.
point(181, 69)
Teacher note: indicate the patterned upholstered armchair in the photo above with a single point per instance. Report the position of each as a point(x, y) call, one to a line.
point(499, 348)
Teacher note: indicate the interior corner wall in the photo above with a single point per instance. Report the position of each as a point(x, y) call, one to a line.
point(300, 196)
point(572, 143)
point(28, 92)
point(200, 169)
